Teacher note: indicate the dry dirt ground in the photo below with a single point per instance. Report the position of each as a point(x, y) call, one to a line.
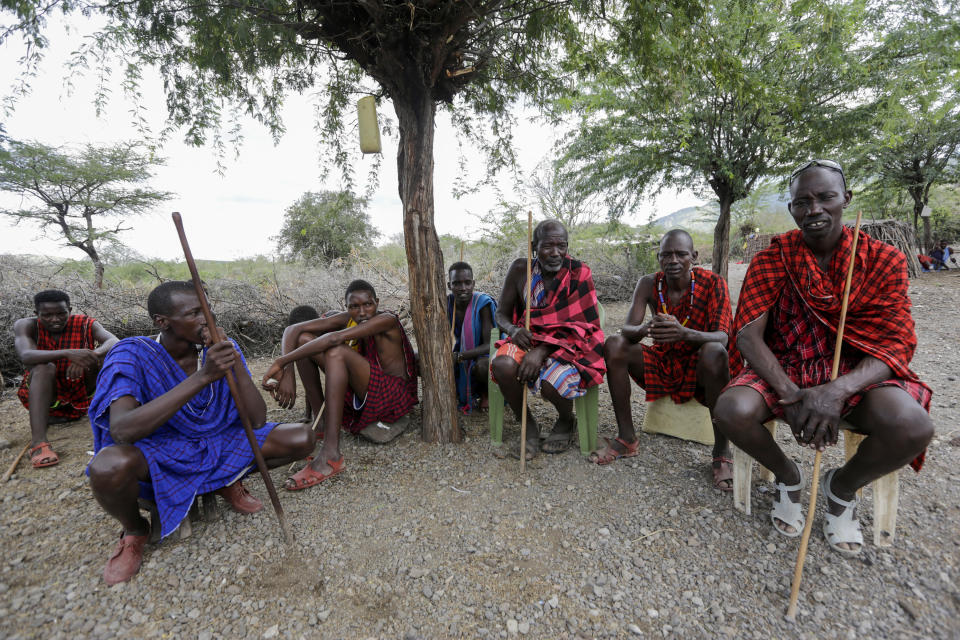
point(427, 541)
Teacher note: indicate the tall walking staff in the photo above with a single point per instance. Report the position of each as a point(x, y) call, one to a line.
point(805, 540)
point(523, 410)
point(215, 333)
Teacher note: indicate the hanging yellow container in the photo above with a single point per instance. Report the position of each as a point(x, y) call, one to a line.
point(369, 131)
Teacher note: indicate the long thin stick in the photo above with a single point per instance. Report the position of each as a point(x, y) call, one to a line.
point(16, 461)
point(805, 540)
point(232, 382)
point(523, 411)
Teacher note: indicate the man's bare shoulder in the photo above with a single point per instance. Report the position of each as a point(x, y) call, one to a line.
point(25, 327)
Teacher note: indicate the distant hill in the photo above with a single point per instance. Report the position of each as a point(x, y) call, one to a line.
point(770, 213)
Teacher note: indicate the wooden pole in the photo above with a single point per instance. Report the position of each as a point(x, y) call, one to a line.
point(215, 334)
point(805, 540)
point(523, 411)
point(16, 461)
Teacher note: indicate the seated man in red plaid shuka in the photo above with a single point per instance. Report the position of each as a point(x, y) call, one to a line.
point(377, 381)
point(690, 326)
point(562, 353)
point(62, 352)
point(786, 327)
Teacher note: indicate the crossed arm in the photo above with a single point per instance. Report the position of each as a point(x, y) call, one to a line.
point(81, 360)
point(813, 413)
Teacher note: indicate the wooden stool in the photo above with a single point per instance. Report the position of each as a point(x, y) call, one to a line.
point(207, 512)
point(687, 421)
point(886, 490)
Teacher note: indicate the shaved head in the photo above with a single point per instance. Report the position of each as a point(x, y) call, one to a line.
point(680, 235)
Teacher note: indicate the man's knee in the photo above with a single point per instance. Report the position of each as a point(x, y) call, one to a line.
point(736, 411)
point(304, 338)
point(114, 468)
point(46, 372)
point(908, 429)
point(714, 359)
point(503, 368)
point(615, 349)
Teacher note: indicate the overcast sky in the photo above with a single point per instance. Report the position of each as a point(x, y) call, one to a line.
point(233, 215)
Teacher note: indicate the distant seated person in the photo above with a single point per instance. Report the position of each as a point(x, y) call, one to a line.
point(373, 385)
point(690, 325)
point(165, 426)
point(62, 353)
point(790, 307)
point(941, 256)
point(471, 315)
point(562, 353)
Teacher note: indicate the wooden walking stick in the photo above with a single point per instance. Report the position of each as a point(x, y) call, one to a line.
point(523, 410)
point(232, 382)
point(13, 465)
point(805, 540)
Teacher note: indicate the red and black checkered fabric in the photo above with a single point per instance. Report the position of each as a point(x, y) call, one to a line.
point(389, 398)
point(878, 319)
point(569, 321)
point(804, 308)
point(71, 394)
point(671, 369)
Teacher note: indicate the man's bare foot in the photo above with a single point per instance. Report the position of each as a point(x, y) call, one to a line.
point(722, 467)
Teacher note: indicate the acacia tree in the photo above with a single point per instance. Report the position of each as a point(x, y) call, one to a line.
point(910, 132)
point(735, 93)
point(81, 197)
point(244, 55)
point(326, 225)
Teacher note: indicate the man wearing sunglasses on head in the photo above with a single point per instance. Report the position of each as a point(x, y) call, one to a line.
point(785, 329)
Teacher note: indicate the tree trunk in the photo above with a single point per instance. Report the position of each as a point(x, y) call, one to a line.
point(98, 273)
point(721, 237)
point(415, 114)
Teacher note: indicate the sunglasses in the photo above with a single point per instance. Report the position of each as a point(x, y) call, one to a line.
point(826, 164)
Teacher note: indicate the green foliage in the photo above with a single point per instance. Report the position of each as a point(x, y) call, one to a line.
point(909, 132)
point(324, 226)
point(73, 196)
point(729, 95)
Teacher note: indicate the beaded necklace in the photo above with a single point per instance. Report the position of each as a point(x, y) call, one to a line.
point(663, 304)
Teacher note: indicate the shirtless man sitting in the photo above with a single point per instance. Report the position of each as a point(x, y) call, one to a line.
point(375, 382)
point(690, 324)
point(63, 352)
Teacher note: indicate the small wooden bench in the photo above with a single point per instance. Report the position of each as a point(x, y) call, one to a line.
point(886, 490)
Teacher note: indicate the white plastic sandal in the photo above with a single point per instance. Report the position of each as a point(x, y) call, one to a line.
point(787, 511)
point(844, 528)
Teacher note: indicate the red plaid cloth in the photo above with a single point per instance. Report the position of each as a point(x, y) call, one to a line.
point(72, 399)
point(389, 398)
point(671, 369)
point(804, 305)
point(569, 322)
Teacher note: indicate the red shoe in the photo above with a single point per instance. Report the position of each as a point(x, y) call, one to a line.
point(239, 499)
point(126, 559)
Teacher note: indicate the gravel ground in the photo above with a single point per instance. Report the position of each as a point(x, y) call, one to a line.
point(429, 541)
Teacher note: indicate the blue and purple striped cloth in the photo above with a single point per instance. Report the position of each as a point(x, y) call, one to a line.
point(203, 446)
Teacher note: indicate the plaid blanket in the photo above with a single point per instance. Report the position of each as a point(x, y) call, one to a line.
point(202, 448)
point(566, 318)
point(468, 337)
point(671, 369)
point(878, 320)
point(72, 400)
point(389, 398)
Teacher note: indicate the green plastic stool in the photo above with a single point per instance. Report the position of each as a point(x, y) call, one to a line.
point(586, 407)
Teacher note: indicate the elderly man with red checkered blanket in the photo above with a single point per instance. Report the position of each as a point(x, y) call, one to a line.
point(562, 353)
point(785, 329)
